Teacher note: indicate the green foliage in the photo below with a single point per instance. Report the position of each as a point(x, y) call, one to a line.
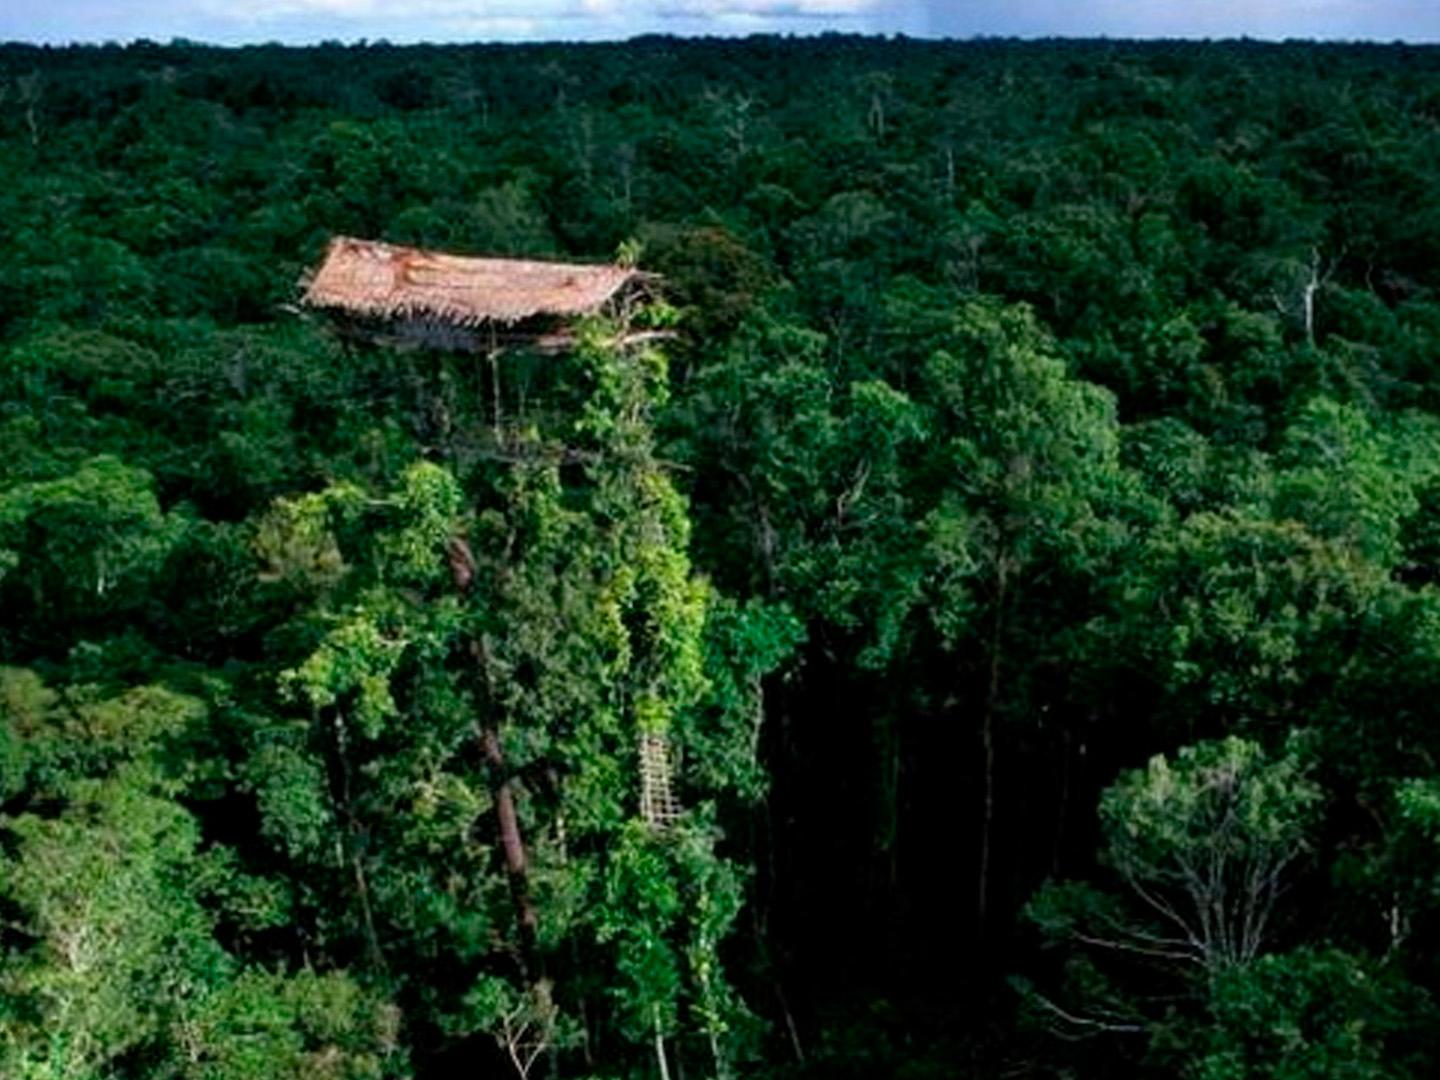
point(742, 645)
point(83, 545)
point(1340, 483)
point(1031, 411)
point(118, 944)
point(1218, 804)
point(304, 1025)
point(1249, 605)
point(1204, 847)
point(112, 952)
point(1312, 1013)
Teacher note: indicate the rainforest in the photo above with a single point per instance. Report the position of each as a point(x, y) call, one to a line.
point(978, 615)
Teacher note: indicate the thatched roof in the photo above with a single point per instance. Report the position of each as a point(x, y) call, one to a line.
point(374, 280)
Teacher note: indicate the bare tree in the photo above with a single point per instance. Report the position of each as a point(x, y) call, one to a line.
point(30, 90)
point(1299, 300)
point(527, 1029)
point(880, 87)
point(1205, 843)
point(732, 114)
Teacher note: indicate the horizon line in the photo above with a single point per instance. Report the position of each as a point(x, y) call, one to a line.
point(364, 41)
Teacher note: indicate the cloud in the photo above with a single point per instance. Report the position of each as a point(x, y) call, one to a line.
point(354, 10)
point(489, 11)
point(1414, 20)
point(512, 20)
point(766, 9)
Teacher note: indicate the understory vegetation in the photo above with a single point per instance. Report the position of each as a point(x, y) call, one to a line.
point(1025, 548)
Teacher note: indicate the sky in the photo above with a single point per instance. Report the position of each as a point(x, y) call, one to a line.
point(233, 22)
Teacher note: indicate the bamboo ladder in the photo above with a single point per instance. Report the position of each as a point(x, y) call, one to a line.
point(658, 805)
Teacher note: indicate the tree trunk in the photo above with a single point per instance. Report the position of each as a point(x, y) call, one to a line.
point(350, 848)
point(512, 840)
point(987, 738)
point(1311, 288)
point(660, 1049)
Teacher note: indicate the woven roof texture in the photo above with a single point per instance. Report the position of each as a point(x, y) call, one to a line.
point(375, 280)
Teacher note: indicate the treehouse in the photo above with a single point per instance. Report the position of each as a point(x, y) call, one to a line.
point(390, 297)
point(454, 308)
point(400, 297)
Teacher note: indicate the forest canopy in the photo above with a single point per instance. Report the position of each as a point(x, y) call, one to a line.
point(1010, 573)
